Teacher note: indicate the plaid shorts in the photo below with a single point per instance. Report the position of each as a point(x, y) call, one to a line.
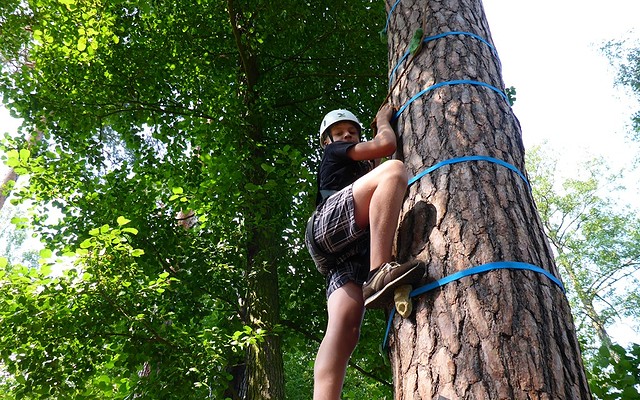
point(336, 234)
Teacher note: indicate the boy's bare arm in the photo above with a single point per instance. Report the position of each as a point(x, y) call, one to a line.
point(383, 144)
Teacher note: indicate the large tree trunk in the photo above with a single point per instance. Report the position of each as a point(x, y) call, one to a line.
point(502, 334)
point(265, 367)
point(265, 364)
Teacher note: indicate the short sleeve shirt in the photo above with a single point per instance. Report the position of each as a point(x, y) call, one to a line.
point(337, 170)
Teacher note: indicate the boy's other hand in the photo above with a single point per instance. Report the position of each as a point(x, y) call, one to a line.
point(385, 113)
point(383, 116)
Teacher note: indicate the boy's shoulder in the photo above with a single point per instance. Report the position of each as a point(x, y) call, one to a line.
point(338, 149)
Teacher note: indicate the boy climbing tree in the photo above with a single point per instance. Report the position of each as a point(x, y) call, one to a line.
point(350, 236)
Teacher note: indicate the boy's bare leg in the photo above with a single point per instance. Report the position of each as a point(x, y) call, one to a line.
point(346, 310)
point(378, 198)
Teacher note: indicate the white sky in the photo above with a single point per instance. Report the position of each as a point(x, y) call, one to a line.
point(565, 86)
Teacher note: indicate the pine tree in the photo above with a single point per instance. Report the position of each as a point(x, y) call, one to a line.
point(499, 334)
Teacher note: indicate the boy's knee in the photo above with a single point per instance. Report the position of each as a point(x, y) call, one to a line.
point(349, 327)
point(396, 168)
point(344, 336)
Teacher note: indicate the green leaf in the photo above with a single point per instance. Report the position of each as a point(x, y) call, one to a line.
point(45, 253)
point(123, 221)
point(511, 94)
point(133, 231)
point(82, 44)
point(268, 168)
point(416, 41)
point(137, 252)
point(383, 36)
point(25, 154)
point(3, 262)
point(45, 269)
point(13, 162)
point(19, 221)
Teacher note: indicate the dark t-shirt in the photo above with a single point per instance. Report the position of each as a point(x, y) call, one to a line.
point(337, 170)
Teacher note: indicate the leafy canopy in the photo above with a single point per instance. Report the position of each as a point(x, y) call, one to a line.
point(177, 144)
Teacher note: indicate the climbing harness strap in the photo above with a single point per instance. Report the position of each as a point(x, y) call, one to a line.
point(326, 194)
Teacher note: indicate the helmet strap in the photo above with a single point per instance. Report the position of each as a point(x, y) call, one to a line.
point(328, 135)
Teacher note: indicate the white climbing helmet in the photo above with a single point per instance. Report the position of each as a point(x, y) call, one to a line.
point(337, 116)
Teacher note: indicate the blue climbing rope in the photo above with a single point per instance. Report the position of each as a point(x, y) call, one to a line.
point(465, 159)
point(439, 36)
point(386, 26)
point(512, 265)
point(448, 83)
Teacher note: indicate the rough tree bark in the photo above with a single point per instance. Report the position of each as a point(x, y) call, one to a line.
point(497, 335)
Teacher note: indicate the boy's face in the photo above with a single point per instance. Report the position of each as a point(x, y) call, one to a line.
point(343, 131)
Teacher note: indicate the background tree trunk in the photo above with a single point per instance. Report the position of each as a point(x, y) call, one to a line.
point(264, 363)
point(501, 334)
point(8, 176)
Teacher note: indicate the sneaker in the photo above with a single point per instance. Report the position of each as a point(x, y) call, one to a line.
point(378, 292)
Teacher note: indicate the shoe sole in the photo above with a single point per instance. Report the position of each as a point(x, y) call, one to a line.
point(385, 295)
